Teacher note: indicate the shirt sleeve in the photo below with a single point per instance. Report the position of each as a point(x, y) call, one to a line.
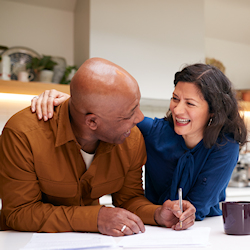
point(131, 195)
point(23, 208)
point(209, 189)
point(145, 125)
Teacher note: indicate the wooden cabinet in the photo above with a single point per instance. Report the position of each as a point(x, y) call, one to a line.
point(30, 88)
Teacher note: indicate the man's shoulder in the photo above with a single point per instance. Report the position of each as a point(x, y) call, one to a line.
point(22, 120)
point(135, 134)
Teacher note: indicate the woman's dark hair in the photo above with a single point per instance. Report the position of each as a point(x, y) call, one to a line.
point(217, 90)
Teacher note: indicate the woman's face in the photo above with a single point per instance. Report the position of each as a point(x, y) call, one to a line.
point(190, 113)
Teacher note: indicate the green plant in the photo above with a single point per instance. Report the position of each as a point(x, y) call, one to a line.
point(67, 72)
point(37, 64)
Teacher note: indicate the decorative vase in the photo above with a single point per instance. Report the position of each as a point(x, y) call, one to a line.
point(46, 75)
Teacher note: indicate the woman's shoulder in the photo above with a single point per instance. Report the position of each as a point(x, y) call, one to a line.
point(226, 143)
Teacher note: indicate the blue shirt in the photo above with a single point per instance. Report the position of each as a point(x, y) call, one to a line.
point(202, 173)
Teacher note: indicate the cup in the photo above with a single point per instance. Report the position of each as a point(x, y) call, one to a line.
point(25, 76)
point(236, 217)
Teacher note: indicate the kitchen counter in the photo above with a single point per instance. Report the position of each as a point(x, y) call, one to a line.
point(238, 194)
point(218, 240)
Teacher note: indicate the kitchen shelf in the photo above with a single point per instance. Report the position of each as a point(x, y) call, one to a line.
point(36, 88)
point(30, 88)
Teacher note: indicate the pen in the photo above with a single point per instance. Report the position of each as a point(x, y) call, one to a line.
point(180, 203)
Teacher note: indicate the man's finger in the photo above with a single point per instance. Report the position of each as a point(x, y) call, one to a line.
point(136, 224)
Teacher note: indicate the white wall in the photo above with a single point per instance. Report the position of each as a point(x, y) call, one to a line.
point(235, 57)
point(150, 39)
point(47, 31)
point(228, 38)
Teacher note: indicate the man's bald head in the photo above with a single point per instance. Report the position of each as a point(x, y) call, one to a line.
point(104, 103)
point(98, 80)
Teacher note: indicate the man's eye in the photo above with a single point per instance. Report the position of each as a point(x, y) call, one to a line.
point(127, 118)
point(174, 99)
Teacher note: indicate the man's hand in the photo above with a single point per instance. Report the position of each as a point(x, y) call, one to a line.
point(44, 104)
point(112, 220)
point(169, 214)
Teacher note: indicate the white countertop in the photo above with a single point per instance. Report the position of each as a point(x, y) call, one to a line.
point(12, 240)
point(218, 240)
point(238, 194)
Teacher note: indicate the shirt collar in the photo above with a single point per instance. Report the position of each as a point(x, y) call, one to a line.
point(64, 132)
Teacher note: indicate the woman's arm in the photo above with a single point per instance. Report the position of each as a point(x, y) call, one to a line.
point(44, 104)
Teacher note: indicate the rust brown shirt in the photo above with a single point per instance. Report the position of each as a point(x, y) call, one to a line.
point(44, 184)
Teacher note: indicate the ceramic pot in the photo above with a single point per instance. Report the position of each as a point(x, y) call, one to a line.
point(46, 75)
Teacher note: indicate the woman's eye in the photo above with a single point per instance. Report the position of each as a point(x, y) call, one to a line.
point(190, 104)
point(174, 99)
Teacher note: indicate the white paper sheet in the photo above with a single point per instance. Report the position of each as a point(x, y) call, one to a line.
point(69, 241)
point(166, 237)
point(153, 237)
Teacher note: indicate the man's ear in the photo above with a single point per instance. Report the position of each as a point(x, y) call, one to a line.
point(91, 121)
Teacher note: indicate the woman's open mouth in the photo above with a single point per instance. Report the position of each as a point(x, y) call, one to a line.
point(182, 121)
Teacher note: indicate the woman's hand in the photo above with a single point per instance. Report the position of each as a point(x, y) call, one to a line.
point(169, 215)
point(44, 104)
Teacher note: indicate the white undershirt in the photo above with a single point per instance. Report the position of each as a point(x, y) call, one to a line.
point(88, 158)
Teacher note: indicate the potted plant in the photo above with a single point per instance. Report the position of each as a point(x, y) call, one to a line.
point(68, 74)
point(43, 68)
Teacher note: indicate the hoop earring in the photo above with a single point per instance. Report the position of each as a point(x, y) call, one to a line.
point(210, 121)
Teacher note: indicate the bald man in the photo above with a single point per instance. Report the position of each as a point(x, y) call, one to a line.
point(53, 173)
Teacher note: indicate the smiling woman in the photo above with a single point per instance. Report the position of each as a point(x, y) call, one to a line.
point(196, 146)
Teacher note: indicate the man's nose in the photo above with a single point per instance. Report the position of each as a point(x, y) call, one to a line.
point(139, 116)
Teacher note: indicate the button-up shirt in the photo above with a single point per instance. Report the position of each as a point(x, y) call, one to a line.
point(44, 183)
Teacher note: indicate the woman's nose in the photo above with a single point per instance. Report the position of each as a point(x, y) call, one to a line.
point(179, 108)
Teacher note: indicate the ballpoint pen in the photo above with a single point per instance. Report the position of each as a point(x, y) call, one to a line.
point(180, 203)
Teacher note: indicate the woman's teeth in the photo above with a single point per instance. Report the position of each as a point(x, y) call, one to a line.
point(183, 121)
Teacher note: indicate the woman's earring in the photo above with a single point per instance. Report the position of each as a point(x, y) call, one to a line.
point(210, 121)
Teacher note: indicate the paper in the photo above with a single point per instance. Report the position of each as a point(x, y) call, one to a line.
point(49, 241)
point(166, 237)
point(153, 237)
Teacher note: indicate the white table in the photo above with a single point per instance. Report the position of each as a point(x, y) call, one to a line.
point(12, 240)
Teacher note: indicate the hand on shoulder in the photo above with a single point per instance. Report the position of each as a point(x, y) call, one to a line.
point(44, 104)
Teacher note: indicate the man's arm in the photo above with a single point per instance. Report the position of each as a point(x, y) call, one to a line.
point(131, 197)
point(23, 207)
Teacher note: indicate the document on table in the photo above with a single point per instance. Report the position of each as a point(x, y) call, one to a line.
point(153, 237)
point(166, 237)
point(69, 241)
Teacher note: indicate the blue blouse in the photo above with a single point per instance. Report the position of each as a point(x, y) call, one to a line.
point(202, 173)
